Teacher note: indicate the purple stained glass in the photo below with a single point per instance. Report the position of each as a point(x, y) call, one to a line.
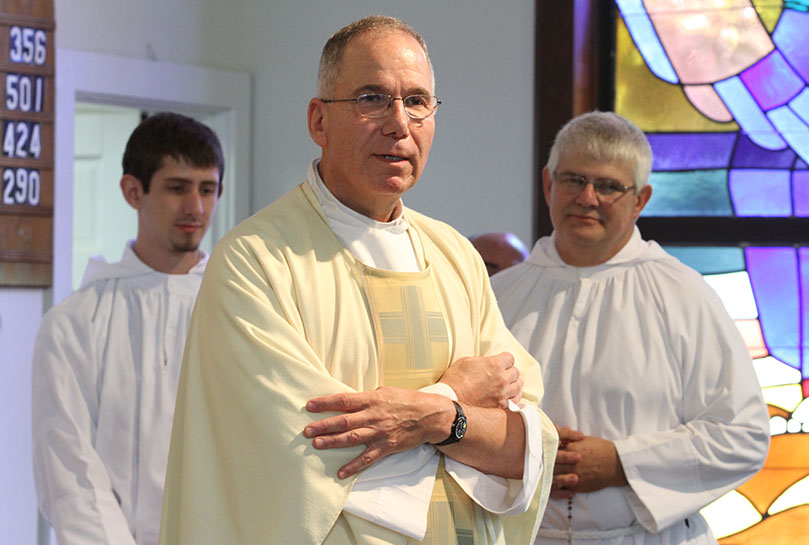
point(747, 154)
point(760, 192)
point(691, 151)
point(792, 39)
point(800, 192)
point(772, 82)
point(774, 276)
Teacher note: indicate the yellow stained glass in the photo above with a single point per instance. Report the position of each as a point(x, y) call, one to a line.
point(639, 95)
point(769, 11)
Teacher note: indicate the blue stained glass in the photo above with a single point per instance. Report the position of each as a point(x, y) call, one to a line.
point(693, 193)
point(792, 128)
point(771, 81)
point(759, 192)
point(774, 276)
point(645, 37)
point(709, 259)
point(800, 192)
point(748, 113)
point(800, 105)
point(748, 154)
point(790, 37)
point(691, 151)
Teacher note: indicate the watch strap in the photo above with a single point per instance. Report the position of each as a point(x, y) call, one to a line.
point(458, 429)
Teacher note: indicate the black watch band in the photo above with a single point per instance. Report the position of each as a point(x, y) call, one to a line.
point(458, 427)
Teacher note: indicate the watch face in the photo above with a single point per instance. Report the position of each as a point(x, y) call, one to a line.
point(460, 428)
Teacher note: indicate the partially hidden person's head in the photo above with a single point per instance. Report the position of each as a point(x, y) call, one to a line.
point(499, 250)
point(173, 135)
point(173, 168)
point(595, 184)
point(373, 117)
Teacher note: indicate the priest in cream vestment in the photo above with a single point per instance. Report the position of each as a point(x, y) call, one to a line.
point(348, 378)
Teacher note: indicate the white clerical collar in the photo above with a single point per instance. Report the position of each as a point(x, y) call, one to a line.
point(337, 211)
point(382, 245)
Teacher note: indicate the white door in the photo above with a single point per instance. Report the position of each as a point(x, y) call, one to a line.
point(102, 220)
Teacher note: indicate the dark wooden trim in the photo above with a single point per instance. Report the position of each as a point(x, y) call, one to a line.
point(574, 67)
point(554, 90)
point(733, 231)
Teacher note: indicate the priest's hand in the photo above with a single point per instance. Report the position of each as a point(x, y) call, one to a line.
point(485, 381)
point(599, 467)
point(386, 420)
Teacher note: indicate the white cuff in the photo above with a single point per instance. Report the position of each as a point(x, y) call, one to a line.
point(499, 495)
point(395, 492)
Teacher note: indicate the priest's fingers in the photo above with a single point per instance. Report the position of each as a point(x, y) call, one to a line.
point(370, 455)
point(351, 438)
point(514, 393)
point(343, 402)
point(333, 425)
point(483, 381)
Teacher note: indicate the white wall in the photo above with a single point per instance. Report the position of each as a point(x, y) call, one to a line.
point(200, 32)
point(20, 312)
point(479, 175)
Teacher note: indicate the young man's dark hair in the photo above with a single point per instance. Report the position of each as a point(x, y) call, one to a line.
point(170, 134)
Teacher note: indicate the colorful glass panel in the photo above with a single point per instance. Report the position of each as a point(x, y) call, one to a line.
point(761, 192)
point(736, 293)
point(720, 87)
point(774, 276)
point(690, 193)
point(709, 259)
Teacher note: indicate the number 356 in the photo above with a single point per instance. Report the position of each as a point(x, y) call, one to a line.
point(27, 45)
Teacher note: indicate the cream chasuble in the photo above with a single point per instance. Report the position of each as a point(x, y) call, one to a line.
point(414, 352)
point(285, 314)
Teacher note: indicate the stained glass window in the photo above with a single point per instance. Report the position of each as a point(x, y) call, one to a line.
point(720, 87)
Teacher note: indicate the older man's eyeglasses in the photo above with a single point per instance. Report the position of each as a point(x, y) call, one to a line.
point(375, 105)
point(606, 189)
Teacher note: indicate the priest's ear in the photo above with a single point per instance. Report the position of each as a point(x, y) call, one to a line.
point(132, 190)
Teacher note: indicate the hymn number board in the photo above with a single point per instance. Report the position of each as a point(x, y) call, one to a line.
point(26, 156)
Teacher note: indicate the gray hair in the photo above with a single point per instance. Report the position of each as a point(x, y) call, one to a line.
point(607, 137)
point(335, 47)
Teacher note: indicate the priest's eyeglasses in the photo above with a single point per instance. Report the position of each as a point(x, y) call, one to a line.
point(374, 105)
point(606, 189)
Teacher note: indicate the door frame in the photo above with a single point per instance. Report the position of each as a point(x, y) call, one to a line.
point(221, 98)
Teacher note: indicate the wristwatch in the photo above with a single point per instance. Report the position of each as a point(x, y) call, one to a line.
point(458, 427)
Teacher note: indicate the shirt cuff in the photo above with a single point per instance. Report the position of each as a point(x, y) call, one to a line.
point(499, 495)
point(396, 491)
